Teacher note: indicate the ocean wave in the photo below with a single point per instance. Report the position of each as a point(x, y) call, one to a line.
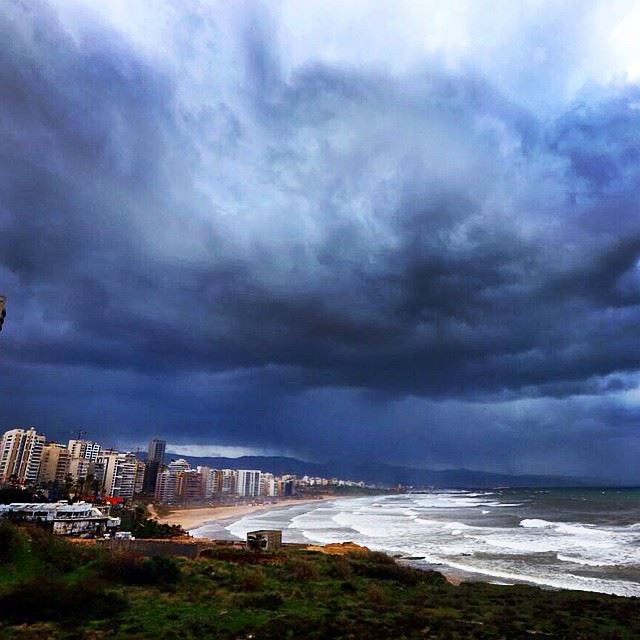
point(536, 523)
point(568, 581)
point(580, 560)
point(538, 551)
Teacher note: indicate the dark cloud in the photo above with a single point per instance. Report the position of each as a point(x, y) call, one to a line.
point(409, 266)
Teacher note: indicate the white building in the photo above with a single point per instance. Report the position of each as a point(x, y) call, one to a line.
point(117, 473)
point(248, 483)
point(84, 449)
point(20, 455)
point(179, 465)
point(166, 485)
point(167, 481)
point(61, 517)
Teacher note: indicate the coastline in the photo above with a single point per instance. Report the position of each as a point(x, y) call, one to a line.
point(196, 517)
point(212, 522)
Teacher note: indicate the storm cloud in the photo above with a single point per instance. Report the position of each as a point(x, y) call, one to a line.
point(236, 225)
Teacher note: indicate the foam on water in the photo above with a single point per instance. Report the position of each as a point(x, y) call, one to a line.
point(456, 529)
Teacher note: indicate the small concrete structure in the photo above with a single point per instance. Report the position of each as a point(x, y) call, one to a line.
point(264, 539)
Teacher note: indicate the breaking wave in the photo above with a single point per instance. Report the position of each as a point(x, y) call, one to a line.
point(478, 533)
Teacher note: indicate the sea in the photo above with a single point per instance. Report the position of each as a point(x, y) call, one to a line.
point(585, 539)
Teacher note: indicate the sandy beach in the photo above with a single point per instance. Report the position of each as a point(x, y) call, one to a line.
point(190, 519)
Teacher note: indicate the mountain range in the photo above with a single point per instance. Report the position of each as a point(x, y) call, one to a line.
point(386, 474)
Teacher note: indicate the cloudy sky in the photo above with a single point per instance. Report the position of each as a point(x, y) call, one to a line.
point(397, 231)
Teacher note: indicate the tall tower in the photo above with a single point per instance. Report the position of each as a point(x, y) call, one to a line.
point(156, 451)
point(155, 458)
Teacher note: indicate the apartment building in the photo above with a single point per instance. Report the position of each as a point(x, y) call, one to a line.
point(227, 481)
point(209, 479)
point(80, 468)
point(54, 463)
point(116, 473)
point(189, 486)
point(268, 485)
point(141, 471)
point(166, 487)
point(248, 482)
point(20, 455)
point(87, 449)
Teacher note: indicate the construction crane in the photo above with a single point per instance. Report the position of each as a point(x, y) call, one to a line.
point(3, 311)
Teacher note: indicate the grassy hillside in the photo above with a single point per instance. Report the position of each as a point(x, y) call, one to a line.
point(53, 589)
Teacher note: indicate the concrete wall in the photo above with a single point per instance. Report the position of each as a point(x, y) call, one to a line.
point(186, 549)
point(155, 547)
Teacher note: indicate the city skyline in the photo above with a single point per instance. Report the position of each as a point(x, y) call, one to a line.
point(362, 231)
point(84, 469)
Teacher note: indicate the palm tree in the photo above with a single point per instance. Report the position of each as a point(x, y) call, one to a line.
point(67, 486)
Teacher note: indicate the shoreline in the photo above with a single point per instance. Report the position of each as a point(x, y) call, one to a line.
point(196, 517)
point(219, 517)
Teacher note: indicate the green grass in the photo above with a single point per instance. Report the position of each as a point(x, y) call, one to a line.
point(290, 594)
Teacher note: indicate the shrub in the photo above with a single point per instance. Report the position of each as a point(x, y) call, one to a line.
point(377, 557)
point(52, 599)
point(339, 567)
point(252, 579)
point(375, 595)
point(301, 570)
point(10, 541)
point(134, 569)
point(348, 587)
point(57, 553)
point(378, 567)
point(270, 600)
point(150, 528)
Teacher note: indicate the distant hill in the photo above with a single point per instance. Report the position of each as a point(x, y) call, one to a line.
point(372, 472)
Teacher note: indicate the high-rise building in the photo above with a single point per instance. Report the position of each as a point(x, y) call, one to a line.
point(105, 470)
point(54, 463)
point(87, 449)
point(83, 456)
point(156, 451)
point(20, 455)
point(287, 485)
point(267, 484)
point(178, 465)
point(248, 482)
point(228, 480)
point(151, 469)
point(155, 458)
point(117, 473)
point(124, 482)
point(141, 470)
point(189, 486)
point(166, 487)
point(80, 468)
point(208, 481)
